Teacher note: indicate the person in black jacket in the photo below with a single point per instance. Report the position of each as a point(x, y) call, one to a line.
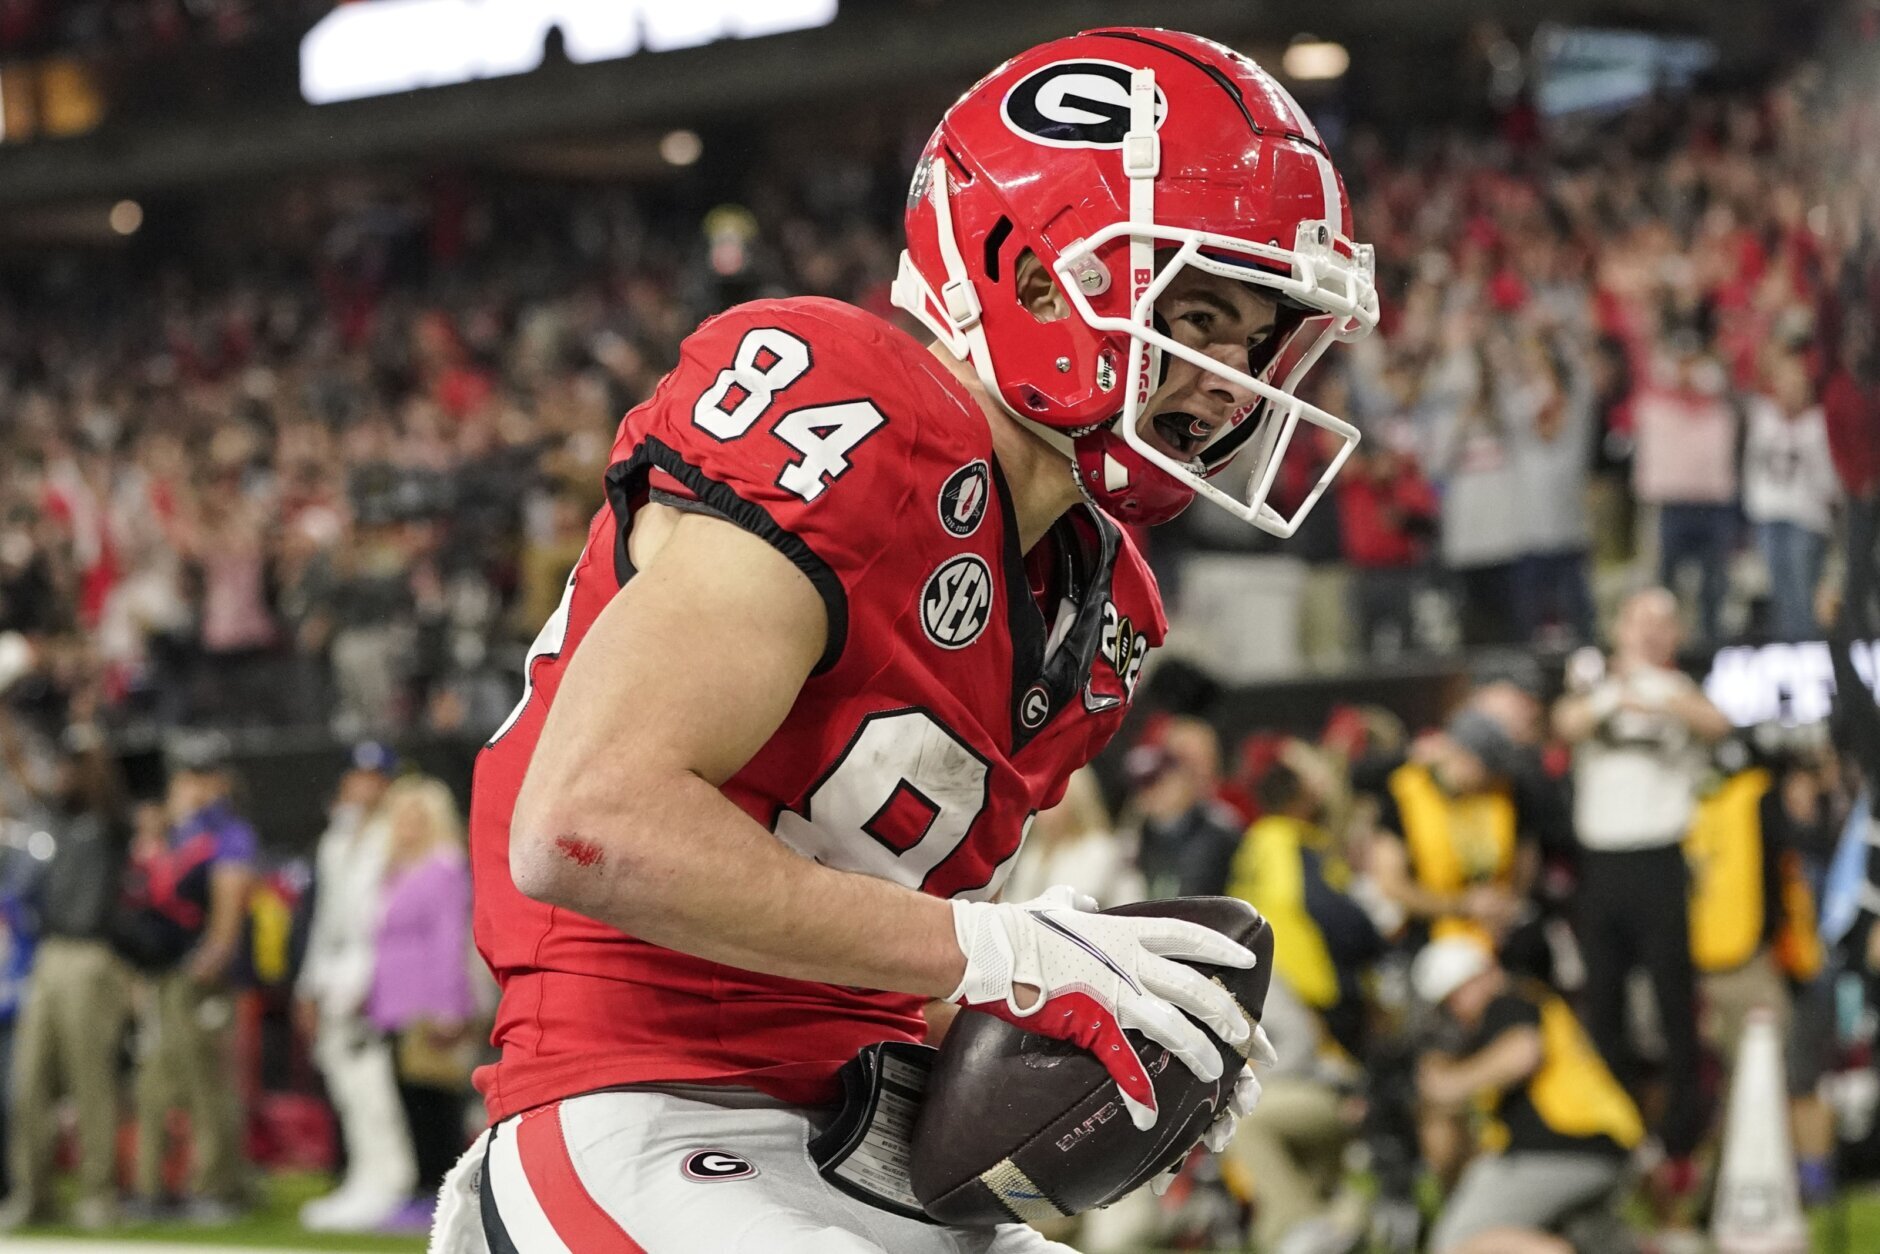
point(1186, 840)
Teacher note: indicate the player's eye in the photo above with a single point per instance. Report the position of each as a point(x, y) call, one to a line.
point(1201, 320)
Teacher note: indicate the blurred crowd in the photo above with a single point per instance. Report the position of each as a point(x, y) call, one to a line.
point(339, 482)
point(1516, 957)
point(163, 971)
point(1517, 954)
point(140, 26)
point(1634, 349)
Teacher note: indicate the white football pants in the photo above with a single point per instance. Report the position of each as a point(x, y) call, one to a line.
point(675, 1170)
point(363, 1085)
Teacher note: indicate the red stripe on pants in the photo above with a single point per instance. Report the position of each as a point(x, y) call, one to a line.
point(576, 1217)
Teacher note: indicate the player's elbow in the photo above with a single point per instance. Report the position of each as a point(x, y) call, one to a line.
point(553, 856)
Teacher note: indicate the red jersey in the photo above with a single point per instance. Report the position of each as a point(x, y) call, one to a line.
point(946, 711)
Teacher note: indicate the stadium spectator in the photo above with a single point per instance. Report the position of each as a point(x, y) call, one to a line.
point(191, 888)
point(1456, 853)
point(1387, 514)
point(1075, 843)
point(1291, 870)
point(1812, 813)
point(1471, 458)
point(1739, 911)
point(1789, 487)
point(335, 980)
point(1185, 839)
point(421, 995)
point(1686, 467)
point(76, 1000)
point(1561, 1126)
point(1850, 405)
point(1544, 400)
point(1639, 733)
point(16, 960)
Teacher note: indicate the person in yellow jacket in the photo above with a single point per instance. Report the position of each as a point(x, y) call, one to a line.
point(1556, 1127)
point(1754, 932)
point(1455, 856)
point(1291, 870)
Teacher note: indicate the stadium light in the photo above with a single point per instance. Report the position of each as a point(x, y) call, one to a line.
point(127, 216)
point(681, 148)
point(377, 47)
point(1309, 57)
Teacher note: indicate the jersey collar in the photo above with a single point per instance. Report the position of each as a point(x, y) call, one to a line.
point(1087, 543)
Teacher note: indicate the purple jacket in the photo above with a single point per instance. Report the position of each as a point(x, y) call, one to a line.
point(421, 966)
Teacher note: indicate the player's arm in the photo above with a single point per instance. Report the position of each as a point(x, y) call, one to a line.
point(681, 679)
point(1578, 715)
point(1690, 706)
point(230, 885)
point(1504, 1062)
point(1390, 869)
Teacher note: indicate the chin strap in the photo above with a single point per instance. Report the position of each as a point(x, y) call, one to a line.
point(1142, 162)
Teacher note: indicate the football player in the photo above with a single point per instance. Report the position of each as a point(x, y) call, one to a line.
point(853, 612)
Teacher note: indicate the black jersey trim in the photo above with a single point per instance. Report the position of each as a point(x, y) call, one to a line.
point(626, 481)
point(1022, 616)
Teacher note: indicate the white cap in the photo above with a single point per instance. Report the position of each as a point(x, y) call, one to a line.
point(16, 658)
point(1445, 966)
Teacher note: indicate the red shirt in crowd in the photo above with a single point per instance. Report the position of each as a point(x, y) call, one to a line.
point(1377, 514)
point(1853, 414)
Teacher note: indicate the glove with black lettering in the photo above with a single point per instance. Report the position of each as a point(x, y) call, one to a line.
point(1052, 967)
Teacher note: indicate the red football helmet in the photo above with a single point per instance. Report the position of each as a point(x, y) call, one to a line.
point(1106, 154)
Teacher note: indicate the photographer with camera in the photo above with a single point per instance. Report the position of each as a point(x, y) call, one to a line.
point(1641, 731)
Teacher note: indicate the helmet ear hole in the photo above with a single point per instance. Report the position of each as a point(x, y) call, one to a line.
point(1037, 289)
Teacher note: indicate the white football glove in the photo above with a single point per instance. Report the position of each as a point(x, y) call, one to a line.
point(1240, 1104)
point(1097, 974)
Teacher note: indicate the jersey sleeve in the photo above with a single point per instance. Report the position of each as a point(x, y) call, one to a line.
point(780, 419)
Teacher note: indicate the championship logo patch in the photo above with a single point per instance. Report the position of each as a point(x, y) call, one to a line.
point(956, 604)
point(1124, 648)
point(713, 1165)
point(963, 499)
point(1075, 104)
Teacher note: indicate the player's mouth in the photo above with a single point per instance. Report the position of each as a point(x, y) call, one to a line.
point(1180, 435)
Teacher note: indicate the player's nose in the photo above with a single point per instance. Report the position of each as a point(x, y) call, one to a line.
point(1231, 396)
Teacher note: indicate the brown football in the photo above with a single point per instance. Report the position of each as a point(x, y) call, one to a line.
point(1020, 1126)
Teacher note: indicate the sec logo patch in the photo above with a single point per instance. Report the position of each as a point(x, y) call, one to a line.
point(963, 499)
point(712, 1165)
point(956, 604)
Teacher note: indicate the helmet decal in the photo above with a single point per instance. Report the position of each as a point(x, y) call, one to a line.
point(1075, 104)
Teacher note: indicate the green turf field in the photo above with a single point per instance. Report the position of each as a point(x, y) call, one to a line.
point(1852, 1229)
